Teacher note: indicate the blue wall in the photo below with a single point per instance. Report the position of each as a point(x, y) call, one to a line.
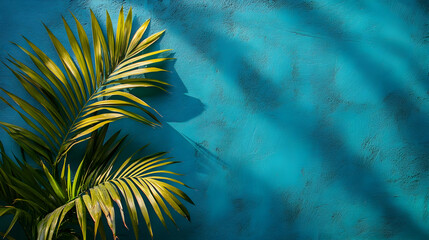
point(293, 119)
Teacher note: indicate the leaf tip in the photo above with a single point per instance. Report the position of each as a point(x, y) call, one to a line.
point(26, 39)
point(92, 13)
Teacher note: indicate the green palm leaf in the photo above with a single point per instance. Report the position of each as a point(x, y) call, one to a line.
point(73, 98)
point(136, 181)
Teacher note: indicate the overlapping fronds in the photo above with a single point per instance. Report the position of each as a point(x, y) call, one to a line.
point(77, 101)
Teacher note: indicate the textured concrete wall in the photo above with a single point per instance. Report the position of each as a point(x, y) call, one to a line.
point(293, 119)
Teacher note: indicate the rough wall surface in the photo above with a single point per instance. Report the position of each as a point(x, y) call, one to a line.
point(305, 119)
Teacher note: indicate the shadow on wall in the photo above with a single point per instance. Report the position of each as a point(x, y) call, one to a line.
point(174, 106)
point(263, 96)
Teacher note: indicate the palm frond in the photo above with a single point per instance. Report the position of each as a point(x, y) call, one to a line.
point(137, 181)
point(86, 95)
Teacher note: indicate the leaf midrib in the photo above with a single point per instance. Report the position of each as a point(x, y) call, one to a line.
point(78, 116)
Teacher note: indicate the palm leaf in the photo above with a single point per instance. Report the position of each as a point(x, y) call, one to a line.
point(136, 181)
point(74, 98)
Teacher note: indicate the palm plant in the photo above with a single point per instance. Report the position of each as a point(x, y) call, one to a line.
point(76, 105)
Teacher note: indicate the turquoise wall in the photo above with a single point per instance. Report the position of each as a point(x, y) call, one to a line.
point(293, 119)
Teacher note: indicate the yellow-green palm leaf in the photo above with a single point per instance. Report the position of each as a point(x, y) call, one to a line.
point(89, 93)
point(136, 181)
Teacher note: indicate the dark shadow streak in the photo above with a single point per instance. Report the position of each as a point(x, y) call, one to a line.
point(266, 100)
